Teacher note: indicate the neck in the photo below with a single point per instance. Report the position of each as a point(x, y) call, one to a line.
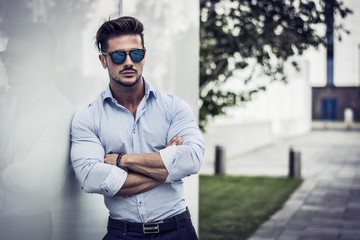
point(128, 96)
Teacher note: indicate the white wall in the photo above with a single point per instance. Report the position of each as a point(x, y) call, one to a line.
point(347, 52)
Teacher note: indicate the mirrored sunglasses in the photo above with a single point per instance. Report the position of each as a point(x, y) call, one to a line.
point(119, 57)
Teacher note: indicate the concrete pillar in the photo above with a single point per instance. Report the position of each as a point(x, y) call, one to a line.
point(294, 164)
point(219, 160)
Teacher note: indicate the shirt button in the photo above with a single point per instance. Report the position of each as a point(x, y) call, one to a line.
point(133, 131)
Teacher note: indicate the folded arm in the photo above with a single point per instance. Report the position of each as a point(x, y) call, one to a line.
point(87, 157)
point(147, 170)
point(98, 174)
point(136, 183)
point(184, 160)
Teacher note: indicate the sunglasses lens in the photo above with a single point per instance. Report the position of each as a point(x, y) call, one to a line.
point(118, 57)
point(137, 55)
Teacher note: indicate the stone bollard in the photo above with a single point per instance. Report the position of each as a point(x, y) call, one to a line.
point(219, 160)
point(294, 164)
point(348, 117)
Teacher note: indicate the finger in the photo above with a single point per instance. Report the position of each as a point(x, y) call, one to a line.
point(172, 141)
point(179, 141)
point(108, 155)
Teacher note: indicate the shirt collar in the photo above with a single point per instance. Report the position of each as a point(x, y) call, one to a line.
point(149, 91)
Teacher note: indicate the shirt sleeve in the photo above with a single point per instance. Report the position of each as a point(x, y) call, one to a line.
point(87, 157)
point(183, 160)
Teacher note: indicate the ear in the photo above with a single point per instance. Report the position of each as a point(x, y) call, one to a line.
point(103, 61)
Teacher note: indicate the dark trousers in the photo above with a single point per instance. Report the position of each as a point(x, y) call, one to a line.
point(182, 229)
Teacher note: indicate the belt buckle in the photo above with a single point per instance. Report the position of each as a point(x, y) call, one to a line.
point(150, 228)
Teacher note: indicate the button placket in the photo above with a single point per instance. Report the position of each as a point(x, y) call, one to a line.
point(135, 138)
point(141, 206)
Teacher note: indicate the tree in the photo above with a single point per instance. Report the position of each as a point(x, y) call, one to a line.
point(259, 37)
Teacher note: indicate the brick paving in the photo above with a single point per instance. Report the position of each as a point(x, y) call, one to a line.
point(327, 205)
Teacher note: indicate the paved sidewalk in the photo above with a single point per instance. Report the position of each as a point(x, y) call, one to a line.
point(327, 205)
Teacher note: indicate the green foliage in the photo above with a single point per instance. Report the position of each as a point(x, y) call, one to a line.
point(234, 207)
point(260, 35)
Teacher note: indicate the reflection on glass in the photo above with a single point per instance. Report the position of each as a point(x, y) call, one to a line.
point(34, 133)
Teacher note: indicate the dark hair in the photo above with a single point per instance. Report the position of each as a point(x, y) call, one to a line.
point(116, 27)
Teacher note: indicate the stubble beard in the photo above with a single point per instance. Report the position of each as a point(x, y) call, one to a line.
point(124, 84)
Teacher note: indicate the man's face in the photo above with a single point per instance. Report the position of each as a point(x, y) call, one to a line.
point(129, 72)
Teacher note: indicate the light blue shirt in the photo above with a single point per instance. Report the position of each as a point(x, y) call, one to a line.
point(105, 126)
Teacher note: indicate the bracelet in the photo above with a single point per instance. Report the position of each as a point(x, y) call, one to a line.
point(118, 162)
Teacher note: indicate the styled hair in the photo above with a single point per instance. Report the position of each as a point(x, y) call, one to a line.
point(116, 27)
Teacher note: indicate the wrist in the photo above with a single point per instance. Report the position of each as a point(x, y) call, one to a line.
point(124, 160)
point(119, 162)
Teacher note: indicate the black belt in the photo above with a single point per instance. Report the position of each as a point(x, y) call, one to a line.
point(169, 224)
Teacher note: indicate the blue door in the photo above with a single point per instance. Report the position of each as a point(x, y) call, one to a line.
point(329, 109)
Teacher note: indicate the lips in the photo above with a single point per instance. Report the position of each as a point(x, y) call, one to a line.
point(128, 72)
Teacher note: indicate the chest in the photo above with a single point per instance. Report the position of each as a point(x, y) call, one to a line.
point(119, 131)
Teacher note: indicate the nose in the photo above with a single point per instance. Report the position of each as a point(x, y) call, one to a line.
point(128, 61)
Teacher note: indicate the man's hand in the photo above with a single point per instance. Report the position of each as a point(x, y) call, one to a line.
point(175, 141)
point(111, 157)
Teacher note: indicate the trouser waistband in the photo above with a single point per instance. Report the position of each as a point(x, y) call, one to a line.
point(169, 224)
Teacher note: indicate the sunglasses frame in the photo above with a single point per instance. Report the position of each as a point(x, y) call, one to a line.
point(126, 53)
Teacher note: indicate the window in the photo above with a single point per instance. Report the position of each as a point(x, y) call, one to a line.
point(329, 109)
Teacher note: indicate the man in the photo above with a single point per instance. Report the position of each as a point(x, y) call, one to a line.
point(134, 144)
point(35, 120)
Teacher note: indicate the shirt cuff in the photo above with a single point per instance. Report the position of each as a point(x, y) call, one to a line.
point(169, 155)
point(113, 182)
